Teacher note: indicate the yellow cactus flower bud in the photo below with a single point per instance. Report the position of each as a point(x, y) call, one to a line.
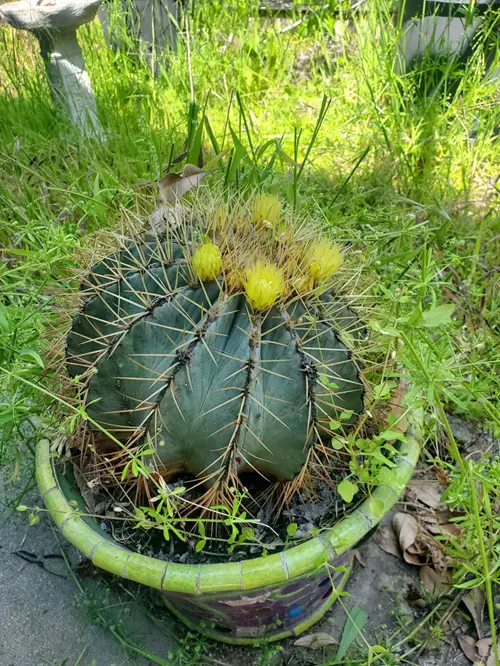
point(264, 285)
point(266, 209)
point(323, 260)
point(207, 262)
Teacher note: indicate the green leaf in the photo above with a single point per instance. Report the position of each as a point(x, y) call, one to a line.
point(347, 489)
point(384, 330)
point(364, 474)
point(195, 147)
point(379, 456)
point(237, 155)
point(352, 629)
point(34, 518)
point(200, 545)
point(377, 650)
point(437, 316)
point(383, 389)
point(389, 435)
point(324, 379)
point(177, 533)
point(247, 534)
point(30, 354)
point(4, 319)
point(234, 532)
point(337, 444)
point(385, 475)
point(148, 452)
point(211, 136)
point(125, 471)
point(291, 529)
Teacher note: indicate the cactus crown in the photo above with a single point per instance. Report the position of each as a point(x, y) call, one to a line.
point(220, 345)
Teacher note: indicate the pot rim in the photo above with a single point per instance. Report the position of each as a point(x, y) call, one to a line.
point(226, 577)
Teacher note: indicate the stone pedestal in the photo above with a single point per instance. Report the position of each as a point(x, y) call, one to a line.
point(70, 83)
point(439, 28)
point(54, 24)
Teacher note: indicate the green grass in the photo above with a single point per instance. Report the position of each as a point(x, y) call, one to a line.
point(403, 167)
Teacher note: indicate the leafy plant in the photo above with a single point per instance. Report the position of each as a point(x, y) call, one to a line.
point(475, 492)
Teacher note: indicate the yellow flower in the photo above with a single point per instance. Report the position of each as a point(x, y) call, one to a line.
point(266, 209)
point(207, 262)
point(323, 260)
point(264, 285)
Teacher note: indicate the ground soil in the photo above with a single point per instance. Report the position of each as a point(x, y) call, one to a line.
point(46, 619)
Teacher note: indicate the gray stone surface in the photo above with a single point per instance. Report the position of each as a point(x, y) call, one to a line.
point(44, 619)
point(437, 36)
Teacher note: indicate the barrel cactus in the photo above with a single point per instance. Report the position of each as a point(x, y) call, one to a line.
point(223, 344)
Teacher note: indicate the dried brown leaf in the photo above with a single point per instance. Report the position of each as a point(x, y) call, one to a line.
point(474, 600)
point(426, 492)
point(85, 489)
point(455, 623)
point(406, 528)
point(483, 647)
point(397, 407)
point(166, 216)
point(385, 538)
point(359, 558)
point(438, 525)
point(442, 475)
point(435, 552)
point(315, 641)
point(414, 597)
point(468, 647)
point(173, 186)
point(435, 582)
point(418, 546)
point(491, 661)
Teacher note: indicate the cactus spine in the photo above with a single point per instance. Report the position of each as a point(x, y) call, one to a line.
point(210, 348)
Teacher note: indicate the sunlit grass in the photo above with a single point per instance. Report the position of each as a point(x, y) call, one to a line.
point(404, 169)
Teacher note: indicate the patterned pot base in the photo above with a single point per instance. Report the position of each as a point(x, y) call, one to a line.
point(265, 614)
point(253, 601)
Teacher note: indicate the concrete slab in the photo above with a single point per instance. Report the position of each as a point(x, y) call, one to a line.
point(45, 619)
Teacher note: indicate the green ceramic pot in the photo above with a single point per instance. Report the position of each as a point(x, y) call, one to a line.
point(258, 600)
